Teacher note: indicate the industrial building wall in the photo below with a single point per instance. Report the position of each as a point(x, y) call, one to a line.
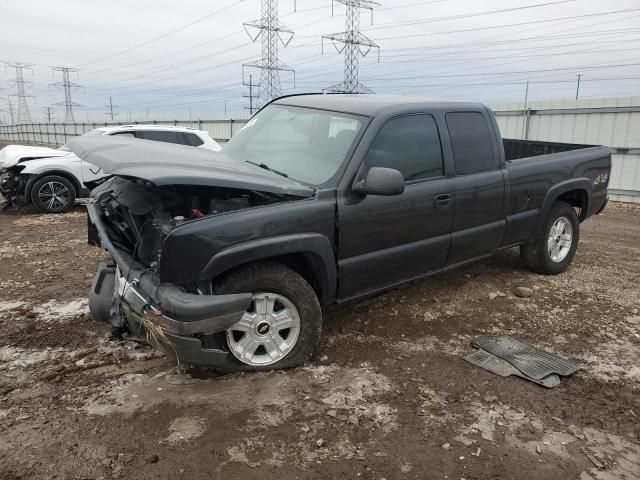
point(614, 122)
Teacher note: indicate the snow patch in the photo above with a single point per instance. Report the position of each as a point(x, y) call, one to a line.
point(613, 361)
point(54, 309)
point(12, 357)
point(184, 429)
point(6, 306)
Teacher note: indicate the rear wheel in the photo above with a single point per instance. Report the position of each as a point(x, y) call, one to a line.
point(281, 328)
point(53, 194)
point(554, 248)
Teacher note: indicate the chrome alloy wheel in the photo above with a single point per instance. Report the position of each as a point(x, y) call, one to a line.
point(267, 332)
point(560, 239)
point(54, 195)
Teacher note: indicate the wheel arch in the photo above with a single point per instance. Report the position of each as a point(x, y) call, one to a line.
point(310, 255)
point(575, 192)
point(59, 173)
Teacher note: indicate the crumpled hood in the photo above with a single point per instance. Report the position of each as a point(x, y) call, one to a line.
point(11, 155)
point(170, 164)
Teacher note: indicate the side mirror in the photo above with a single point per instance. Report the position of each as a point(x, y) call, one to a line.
point(381, 181)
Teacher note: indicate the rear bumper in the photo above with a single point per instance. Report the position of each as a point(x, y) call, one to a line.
point(126, 294)
point(599, 200)
point(604, 205)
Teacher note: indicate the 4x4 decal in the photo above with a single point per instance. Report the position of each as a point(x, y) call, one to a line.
point(602, 178)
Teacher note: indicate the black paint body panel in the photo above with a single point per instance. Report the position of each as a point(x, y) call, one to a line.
point(361, 244)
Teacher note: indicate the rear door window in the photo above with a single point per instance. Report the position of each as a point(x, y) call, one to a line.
point(410, 144)
point(160, 136)
point(191, 139)
point(472, 142)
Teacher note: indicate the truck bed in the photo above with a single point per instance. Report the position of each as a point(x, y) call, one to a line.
point(514, 149)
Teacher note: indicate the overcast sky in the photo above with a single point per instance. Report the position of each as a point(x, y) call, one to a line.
point(448, 48)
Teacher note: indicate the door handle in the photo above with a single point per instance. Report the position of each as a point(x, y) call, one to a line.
point(443, 200)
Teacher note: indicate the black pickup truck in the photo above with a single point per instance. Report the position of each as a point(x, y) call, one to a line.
point(229, 259)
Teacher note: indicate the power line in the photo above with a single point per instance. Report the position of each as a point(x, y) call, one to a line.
point(159, 37)
point(416, 4)
point(166, 54)
point(228, 77)
point(558, 69)
point(453, 17)
point(272, 32)
point(68, 87)
point(354, 44)
point(174, 65)
point(467, 15)
point(23, 114)
point(483, 44)
point(492, 27)
point(320, 68)
point(464, 62)
point(475, 44)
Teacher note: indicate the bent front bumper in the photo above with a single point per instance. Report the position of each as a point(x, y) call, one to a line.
point(128, 294)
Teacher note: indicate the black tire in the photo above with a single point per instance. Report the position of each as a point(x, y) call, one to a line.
point(42, 187)
point(536, 255)
point(279, 279)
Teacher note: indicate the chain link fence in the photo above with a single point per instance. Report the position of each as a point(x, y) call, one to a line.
point(60, 133)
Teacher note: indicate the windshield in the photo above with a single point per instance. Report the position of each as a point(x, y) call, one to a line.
point(302, 143)
point(90, 133)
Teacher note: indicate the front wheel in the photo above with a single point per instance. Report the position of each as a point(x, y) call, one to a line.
point(53, 194)
point(281, 328)
point(553, 250)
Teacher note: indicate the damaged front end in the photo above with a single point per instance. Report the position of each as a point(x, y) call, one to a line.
point(13, 185)
point(148, 215)
point(131, 218)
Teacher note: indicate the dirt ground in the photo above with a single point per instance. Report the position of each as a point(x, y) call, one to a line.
point(388, 394)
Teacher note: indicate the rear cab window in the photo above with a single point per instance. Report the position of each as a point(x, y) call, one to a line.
point(409, 144)
point(472, 142)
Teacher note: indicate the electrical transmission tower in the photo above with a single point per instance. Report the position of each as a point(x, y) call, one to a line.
point(354, 45)
point(68, 86)
point(252, 95)
point(273, 33)
point(110, 106)
point(23, 115)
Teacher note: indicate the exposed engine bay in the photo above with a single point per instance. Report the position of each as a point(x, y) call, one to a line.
point(140, 214)
point(13, 184)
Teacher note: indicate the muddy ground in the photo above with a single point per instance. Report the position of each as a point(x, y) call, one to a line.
point(387, 395)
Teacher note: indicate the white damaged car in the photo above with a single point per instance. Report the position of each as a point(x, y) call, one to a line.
point(51, 179)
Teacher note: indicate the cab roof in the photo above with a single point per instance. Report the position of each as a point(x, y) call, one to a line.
point(368, 105)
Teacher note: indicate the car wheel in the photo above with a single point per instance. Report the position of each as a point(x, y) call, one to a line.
point(53, 194)
point(553, 250)
point(281, 328)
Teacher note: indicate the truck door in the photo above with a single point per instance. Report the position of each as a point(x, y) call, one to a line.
point(387, 240)
point(479, 219)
